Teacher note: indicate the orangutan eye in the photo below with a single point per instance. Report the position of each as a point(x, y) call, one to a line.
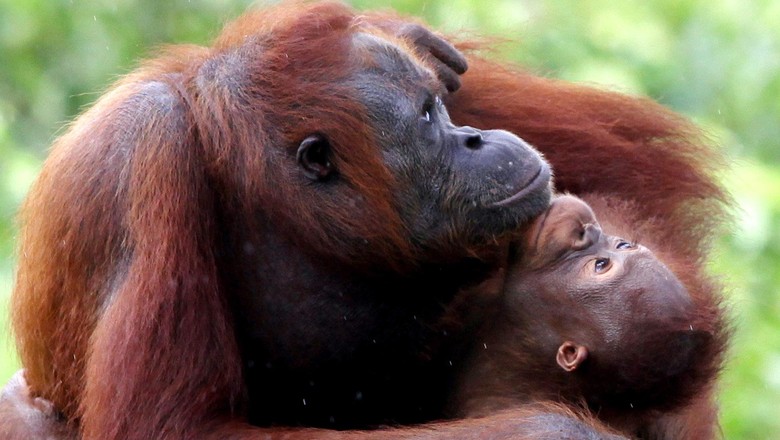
point(427, 111)
point(601, 265)
point(622, 244)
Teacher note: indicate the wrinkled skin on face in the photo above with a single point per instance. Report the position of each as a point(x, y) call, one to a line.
point(279, 220)
point(366, 334)
point(609, 305)
point(586, 316)
point(265, 231)
point(609, 279)
point(455, 181)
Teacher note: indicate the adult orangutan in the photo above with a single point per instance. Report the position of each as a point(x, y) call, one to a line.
point(588, 319)
point(267, 233)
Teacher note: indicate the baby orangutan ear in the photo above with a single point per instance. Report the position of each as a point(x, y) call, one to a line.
point(571, 355)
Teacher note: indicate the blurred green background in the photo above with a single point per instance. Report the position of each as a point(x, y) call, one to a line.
point(717, 61)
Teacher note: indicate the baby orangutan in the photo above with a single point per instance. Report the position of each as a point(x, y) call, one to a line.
point(589, 320)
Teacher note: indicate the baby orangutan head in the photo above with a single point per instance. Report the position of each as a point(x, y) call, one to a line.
point(601, 316)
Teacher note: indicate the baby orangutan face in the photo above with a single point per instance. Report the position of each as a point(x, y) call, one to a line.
point(598, 298)
point(592, 318)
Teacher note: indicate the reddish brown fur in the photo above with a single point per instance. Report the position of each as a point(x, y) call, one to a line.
point(699, 418)
point(168, 322)
point(605, 142)
point(623, 148)
point(515, 367)
point(68, 253)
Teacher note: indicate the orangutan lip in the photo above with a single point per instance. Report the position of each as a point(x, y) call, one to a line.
point(541, 179)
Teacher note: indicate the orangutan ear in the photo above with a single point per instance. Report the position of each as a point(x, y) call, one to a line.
point(571, 355)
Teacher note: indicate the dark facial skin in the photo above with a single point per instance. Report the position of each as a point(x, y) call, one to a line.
point(324, 343)
point(474, 183)
point(609, 279)
point(336, 346)
point(602, 317)
point(283, 211)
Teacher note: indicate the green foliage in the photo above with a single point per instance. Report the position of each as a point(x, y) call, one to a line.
point(716, 61)
point(749, 261)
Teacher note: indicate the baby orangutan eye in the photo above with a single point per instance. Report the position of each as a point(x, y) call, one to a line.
point(601, 265)
point(622, 244)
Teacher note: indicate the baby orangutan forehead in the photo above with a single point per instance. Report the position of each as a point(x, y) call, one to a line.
point(569, 224)
point(391, 59)
point(570, 207)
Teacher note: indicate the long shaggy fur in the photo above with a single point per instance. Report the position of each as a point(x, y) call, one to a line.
point(120, 311)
